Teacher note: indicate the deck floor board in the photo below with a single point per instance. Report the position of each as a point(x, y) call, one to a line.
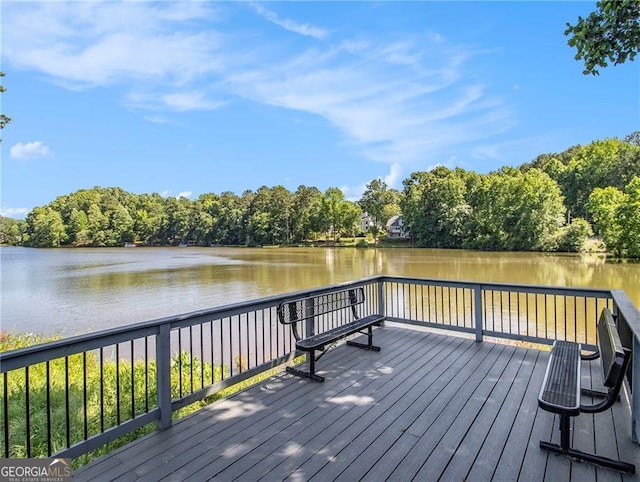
point(429, 406)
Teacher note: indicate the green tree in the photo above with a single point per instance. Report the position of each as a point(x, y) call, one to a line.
point(572, 238)
point(11, 231)
point(97, 225)
point(604, 205)
point(534, 213)
point(617, 217)
point(610, 34)
point(633, 138)
point(78, 228)
point(207, 210)
point(306, 201)
point(229, 226)
point(351, 214)
point(258, 229)
point(392, 208)
point(178, 226)
point(4, 120)
point(45, 228)
point(435, 208)
point(512, 210)
point(121, 226)
point(280, 215)
point(149, 218)
point(333, 207)
point(581, 169)
point(374, 202)
point(488, 197)
point(630, 219)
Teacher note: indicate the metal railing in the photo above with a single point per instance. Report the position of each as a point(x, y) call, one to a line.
point(98, 387)
point(535, 314)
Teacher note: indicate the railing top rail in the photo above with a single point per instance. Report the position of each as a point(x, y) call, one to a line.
point(542, 289)
point(31, 355)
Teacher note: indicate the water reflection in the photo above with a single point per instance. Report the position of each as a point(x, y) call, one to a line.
point(80, 290)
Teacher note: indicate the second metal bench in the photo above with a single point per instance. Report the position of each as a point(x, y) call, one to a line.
point(560, 392)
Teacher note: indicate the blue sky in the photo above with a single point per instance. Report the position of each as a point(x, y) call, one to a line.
point(185, 98)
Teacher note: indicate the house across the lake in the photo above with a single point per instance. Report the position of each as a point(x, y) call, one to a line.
point(396, 228)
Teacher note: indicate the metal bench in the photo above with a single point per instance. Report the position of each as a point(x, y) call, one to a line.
point(560, 392)
point(324, 320)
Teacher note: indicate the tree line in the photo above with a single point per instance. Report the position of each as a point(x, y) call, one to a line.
point(554, 203)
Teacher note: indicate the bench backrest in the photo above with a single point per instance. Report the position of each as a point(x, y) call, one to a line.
point(307, 308)
point(611, 350)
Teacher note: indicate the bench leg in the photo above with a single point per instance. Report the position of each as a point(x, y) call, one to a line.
point(591, 458)
point(367, 346)
point(565, 449)
point(311, 374)
point(565, 432)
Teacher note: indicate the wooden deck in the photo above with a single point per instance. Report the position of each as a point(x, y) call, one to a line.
point(427, 407)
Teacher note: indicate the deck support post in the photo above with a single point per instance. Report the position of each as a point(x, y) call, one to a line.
point(477, 294)
point(163, 374)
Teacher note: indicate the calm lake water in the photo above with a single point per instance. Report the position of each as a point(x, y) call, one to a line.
point(73, 291)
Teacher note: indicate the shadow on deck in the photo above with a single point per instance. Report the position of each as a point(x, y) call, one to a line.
point(427, 407)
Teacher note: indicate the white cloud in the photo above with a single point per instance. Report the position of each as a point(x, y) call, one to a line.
point(394, 177)
point(157, 119)
point(401, 100)
point(184, 101)
point(15, 213)
point(300, 28)
point(30, 150)
point(174, 101)
point(185, 194)
point(399, 103)
point(87, 44)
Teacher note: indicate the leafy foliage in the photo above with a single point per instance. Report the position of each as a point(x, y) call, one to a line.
point(4, 120)
point(11, 230)
point(545, 205)
point(507, 210)
point(100, 393)
point(380, 203)
point(610, 34)
point(617, 217)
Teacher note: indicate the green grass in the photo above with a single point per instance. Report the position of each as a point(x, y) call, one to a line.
point(104, 409)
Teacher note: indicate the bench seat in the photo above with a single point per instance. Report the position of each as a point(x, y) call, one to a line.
point(319, 341)
point(561, 386)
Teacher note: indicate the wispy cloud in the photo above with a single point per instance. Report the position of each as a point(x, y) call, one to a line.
point(305, 29)
point(184, 101)
point(185, 194)
point(30, 150)
point(401, 100)
point(85, 44)
point(397, 114)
